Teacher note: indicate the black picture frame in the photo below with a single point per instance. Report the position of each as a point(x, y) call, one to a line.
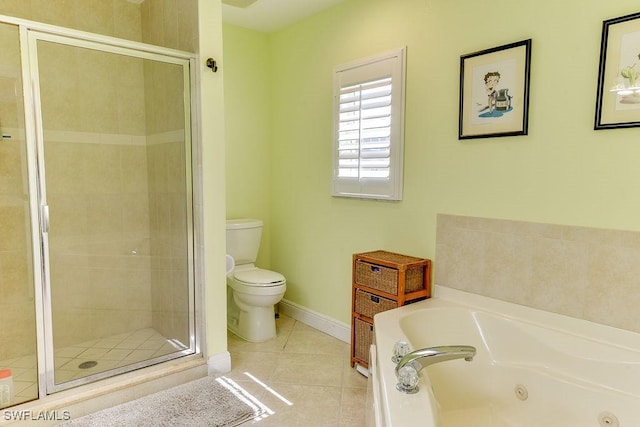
point(487, 108)
point(618, 94)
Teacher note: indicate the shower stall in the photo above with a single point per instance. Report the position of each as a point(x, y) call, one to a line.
point(96, 224)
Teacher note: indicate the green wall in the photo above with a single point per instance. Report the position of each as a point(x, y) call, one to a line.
point(563, 172)
point(248, 157)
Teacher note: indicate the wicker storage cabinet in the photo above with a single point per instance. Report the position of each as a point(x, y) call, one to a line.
point(382, 281)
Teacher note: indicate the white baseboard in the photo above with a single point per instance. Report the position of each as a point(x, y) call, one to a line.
point(219, 364)
point(323, 323)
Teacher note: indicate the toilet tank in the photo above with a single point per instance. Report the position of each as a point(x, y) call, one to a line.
point(243, 239)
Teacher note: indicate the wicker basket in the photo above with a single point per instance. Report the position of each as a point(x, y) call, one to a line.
point(386, 279)
point(364, 339)
point(369, 304)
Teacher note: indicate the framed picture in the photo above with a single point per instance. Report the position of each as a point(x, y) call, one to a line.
point(494, 91)
point(618, 97)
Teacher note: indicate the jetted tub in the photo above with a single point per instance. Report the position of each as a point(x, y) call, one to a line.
point(533, 368)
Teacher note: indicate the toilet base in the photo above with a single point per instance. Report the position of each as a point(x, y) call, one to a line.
point(256, 325)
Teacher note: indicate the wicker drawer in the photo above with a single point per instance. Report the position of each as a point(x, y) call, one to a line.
point(363, 339)
point(386, 279)
point(369, 304)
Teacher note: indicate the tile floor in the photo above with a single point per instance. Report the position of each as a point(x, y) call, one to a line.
point(109, 353)
point(303, 376)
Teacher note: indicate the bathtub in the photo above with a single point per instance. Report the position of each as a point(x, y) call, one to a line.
point(533, 368)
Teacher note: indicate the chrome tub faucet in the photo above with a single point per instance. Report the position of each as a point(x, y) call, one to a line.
point(410, 365)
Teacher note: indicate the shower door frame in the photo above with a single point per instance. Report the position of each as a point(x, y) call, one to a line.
point(30, 33)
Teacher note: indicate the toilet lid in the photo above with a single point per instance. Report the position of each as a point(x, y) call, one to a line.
point(259, 277)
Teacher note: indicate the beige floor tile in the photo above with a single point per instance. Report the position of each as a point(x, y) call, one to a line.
point(352, 407)
point(352, 378)
point(284, 323)
point(303, 376)
point(260, 365)
point(309, 369)
point(304, 339)
point(307, 406)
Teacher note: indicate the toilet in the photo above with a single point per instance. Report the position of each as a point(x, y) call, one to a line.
point(251, 291)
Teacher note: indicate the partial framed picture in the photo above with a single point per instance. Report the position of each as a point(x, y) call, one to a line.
point(618, 97)
point(494, 91)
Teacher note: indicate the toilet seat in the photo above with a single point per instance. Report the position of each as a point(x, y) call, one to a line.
point(259, 277)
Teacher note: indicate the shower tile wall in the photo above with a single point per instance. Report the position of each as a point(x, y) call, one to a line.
point(108, 278)
point(117, 18)
point(169, 23)
point(167, 199)
point(101, 181)
point(17, 311)
point(97, 191)
point(586, 273)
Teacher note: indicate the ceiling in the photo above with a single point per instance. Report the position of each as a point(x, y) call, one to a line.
point(271, 15)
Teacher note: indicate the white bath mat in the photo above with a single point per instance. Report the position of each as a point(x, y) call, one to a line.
point(208, 401)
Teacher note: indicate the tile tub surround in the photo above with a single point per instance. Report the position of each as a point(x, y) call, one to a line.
point(586, 273)
point(303, 375)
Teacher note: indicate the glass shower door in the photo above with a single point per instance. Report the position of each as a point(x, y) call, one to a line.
point(18, 336)
point(116, 208)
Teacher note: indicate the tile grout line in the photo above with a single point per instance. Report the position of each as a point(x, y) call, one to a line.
point(284, 346)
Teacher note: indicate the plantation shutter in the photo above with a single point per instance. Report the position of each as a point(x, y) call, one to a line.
point(368, 122)
point(364, 130)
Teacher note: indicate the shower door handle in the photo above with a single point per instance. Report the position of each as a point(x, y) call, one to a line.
point(44, 218)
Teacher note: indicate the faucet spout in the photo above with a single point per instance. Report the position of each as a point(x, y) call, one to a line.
point(422, 358)
point(428, 356)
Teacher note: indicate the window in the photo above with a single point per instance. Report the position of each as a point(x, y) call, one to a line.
point(369, 127)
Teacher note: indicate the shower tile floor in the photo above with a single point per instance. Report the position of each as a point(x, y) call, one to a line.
point(303, 376)
point(109, 353)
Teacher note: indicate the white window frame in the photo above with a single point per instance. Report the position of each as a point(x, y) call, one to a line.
point(361, 184)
